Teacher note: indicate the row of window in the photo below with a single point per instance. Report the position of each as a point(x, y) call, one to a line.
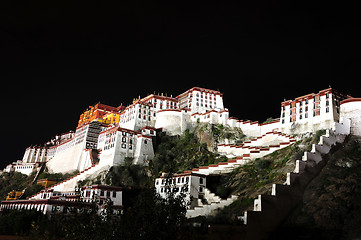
point(130, 146)
point(177, 180)
point(205, 105)
point(144, 117)
point(24, 167)
point(206, 96)
point(315, 99)
point(102, 193)
point(174, 189)
point(110, 140)
point(316, 112)
point(109, 146)
point(174, 180)
point(293, 109)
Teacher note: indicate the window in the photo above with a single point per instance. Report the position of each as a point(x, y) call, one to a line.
point(145, 141)
point(101, 193)
point(114, 194)
point(201, 180)
point(200, 189)
point(108, 194)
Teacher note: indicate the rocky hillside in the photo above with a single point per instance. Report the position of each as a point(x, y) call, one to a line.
point(213, 134)
point(331, 204)
point(257, 177)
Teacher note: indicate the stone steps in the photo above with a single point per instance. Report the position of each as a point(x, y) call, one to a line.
point(270, 210)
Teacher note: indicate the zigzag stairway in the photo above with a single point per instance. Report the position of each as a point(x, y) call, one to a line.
point(270, 210)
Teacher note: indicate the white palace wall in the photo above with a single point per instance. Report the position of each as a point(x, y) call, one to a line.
point(174, 122)
point(67, 160)
point(351, 109)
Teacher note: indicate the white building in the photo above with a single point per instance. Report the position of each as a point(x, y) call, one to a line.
point(115, 144)
point(72, 151)
point(143, 111)
point(351, 109)
point(311, 112)
point(200, 100)
point(191, 184)
point(51, 201)
point(20, 166)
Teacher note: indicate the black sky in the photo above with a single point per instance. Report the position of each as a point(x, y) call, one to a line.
point(58, 57)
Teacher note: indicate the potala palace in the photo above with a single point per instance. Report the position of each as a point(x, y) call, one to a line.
point(106, 135)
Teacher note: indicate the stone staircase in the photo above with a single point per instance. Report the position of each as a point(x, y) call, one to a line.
point(248, 153)
point(258, 147)
point(70, 183)
point(211, 203)
point(252, 152)
point(270, 210)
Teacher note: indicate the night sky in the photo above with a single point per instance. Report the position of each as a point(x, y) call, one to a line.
point(59, 57)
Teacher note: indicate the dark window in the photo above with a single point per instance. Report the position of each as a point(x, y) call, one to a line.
point(101, 193)
point(114, 194)
point(108, 193)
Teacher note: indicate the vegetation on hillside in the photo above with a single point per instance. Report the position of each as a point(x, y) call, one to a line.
point(331, 204)
point(180, 153)
point(213, 134)
point(18, 181)
point(257, 177)
point(13, 181)
point(150, 217)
